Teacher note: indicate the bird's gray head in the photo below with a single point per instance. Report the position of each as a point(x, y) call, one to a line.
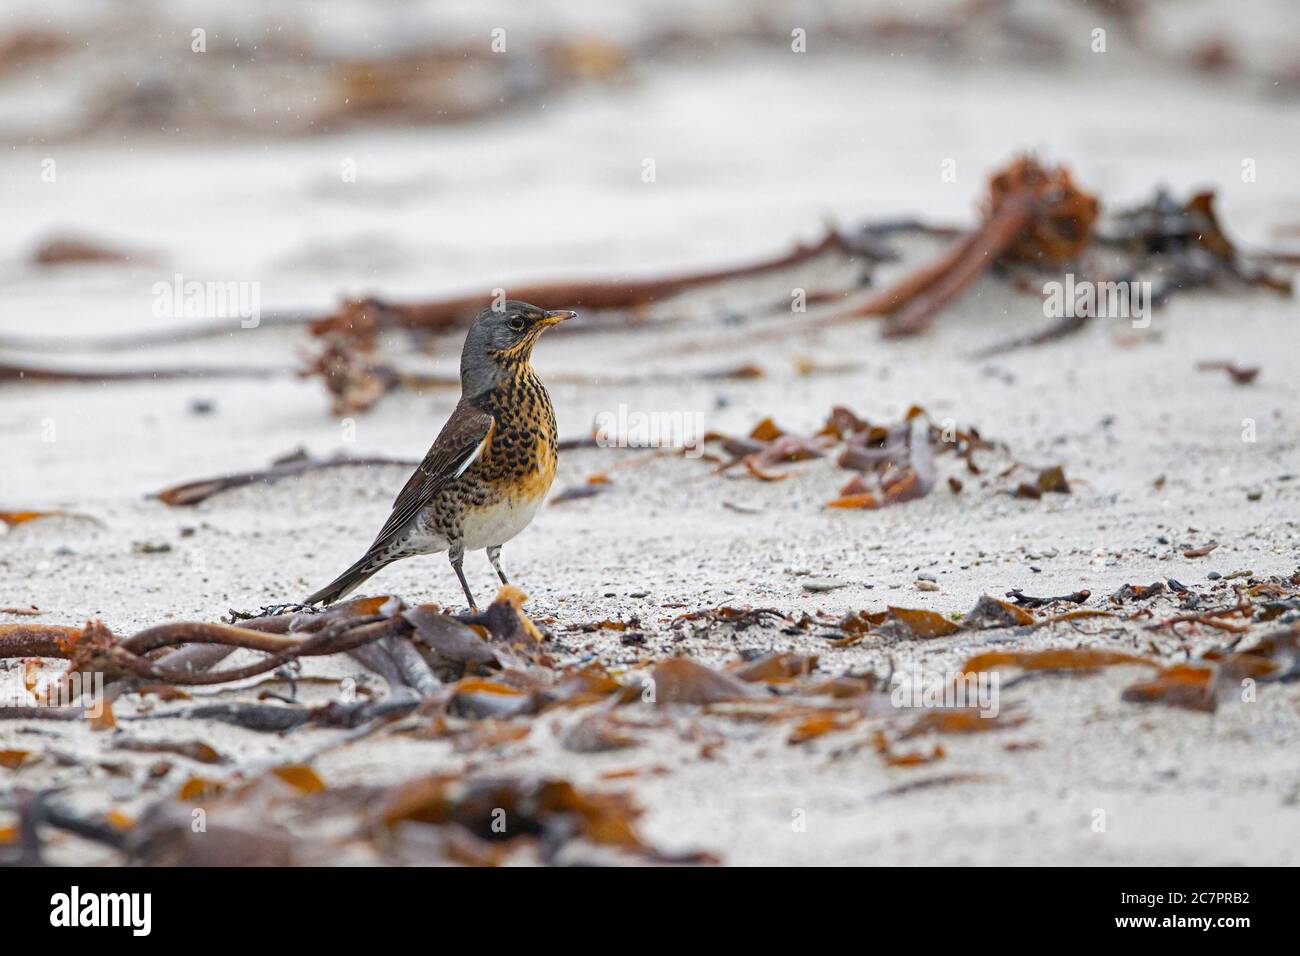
point(501, 340)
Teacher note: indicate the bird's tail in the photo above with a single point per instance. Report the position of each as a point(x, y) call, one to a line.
point(346, 582)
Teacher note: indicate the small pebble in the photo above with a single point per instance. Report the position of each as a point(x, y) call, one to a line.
point(818, 585)
point(924, 585)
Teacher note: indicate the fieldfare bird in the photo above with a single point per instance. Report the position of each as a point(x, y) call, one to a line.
point(490, 466)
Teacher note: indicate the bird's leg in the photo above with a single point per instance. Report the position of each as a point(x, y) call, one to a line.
point(494, 555)
point(457, 556)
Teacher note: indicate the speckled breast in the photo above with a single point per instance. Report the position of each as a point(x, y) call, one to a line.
point(521, 458)
point(498, 495)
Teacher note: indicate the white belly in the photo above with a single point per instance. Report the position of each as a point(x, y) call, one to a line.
point(496, 524)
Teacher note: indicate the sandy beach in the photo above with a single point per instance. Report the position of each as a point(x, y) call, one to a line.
point(751, 156)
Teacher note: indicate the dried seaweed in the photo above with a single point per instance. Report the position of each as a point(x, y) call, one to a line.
point(361, 319)
point(500, 676)
point(12, 519)
point(61, 250)
point(282, 638)
point(1178, 686)
point(739, 618)
point(683, 681)
point(1055, 659)
point(1032, 214)
point(551, 812)
point(1185, 244)
point(899, 458)
point(280, 718)
point(1024, 600)
point(195, 750)
point(295, 463)
point(16, 371)
point(959, 720)
point(1240, 374)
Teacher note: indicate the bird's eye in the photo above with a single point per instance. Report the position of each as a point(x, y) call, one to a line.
point(517, 323)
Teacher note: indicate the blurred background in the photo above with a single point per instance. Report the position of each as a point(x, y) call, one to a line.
point(411, 147)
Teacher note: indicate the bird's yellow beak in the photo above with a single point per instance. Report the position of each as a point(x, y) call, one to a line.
point(556, 316)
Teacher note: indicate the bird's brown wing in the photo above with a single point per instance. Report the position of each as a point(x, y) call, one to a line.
point(461, 440)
